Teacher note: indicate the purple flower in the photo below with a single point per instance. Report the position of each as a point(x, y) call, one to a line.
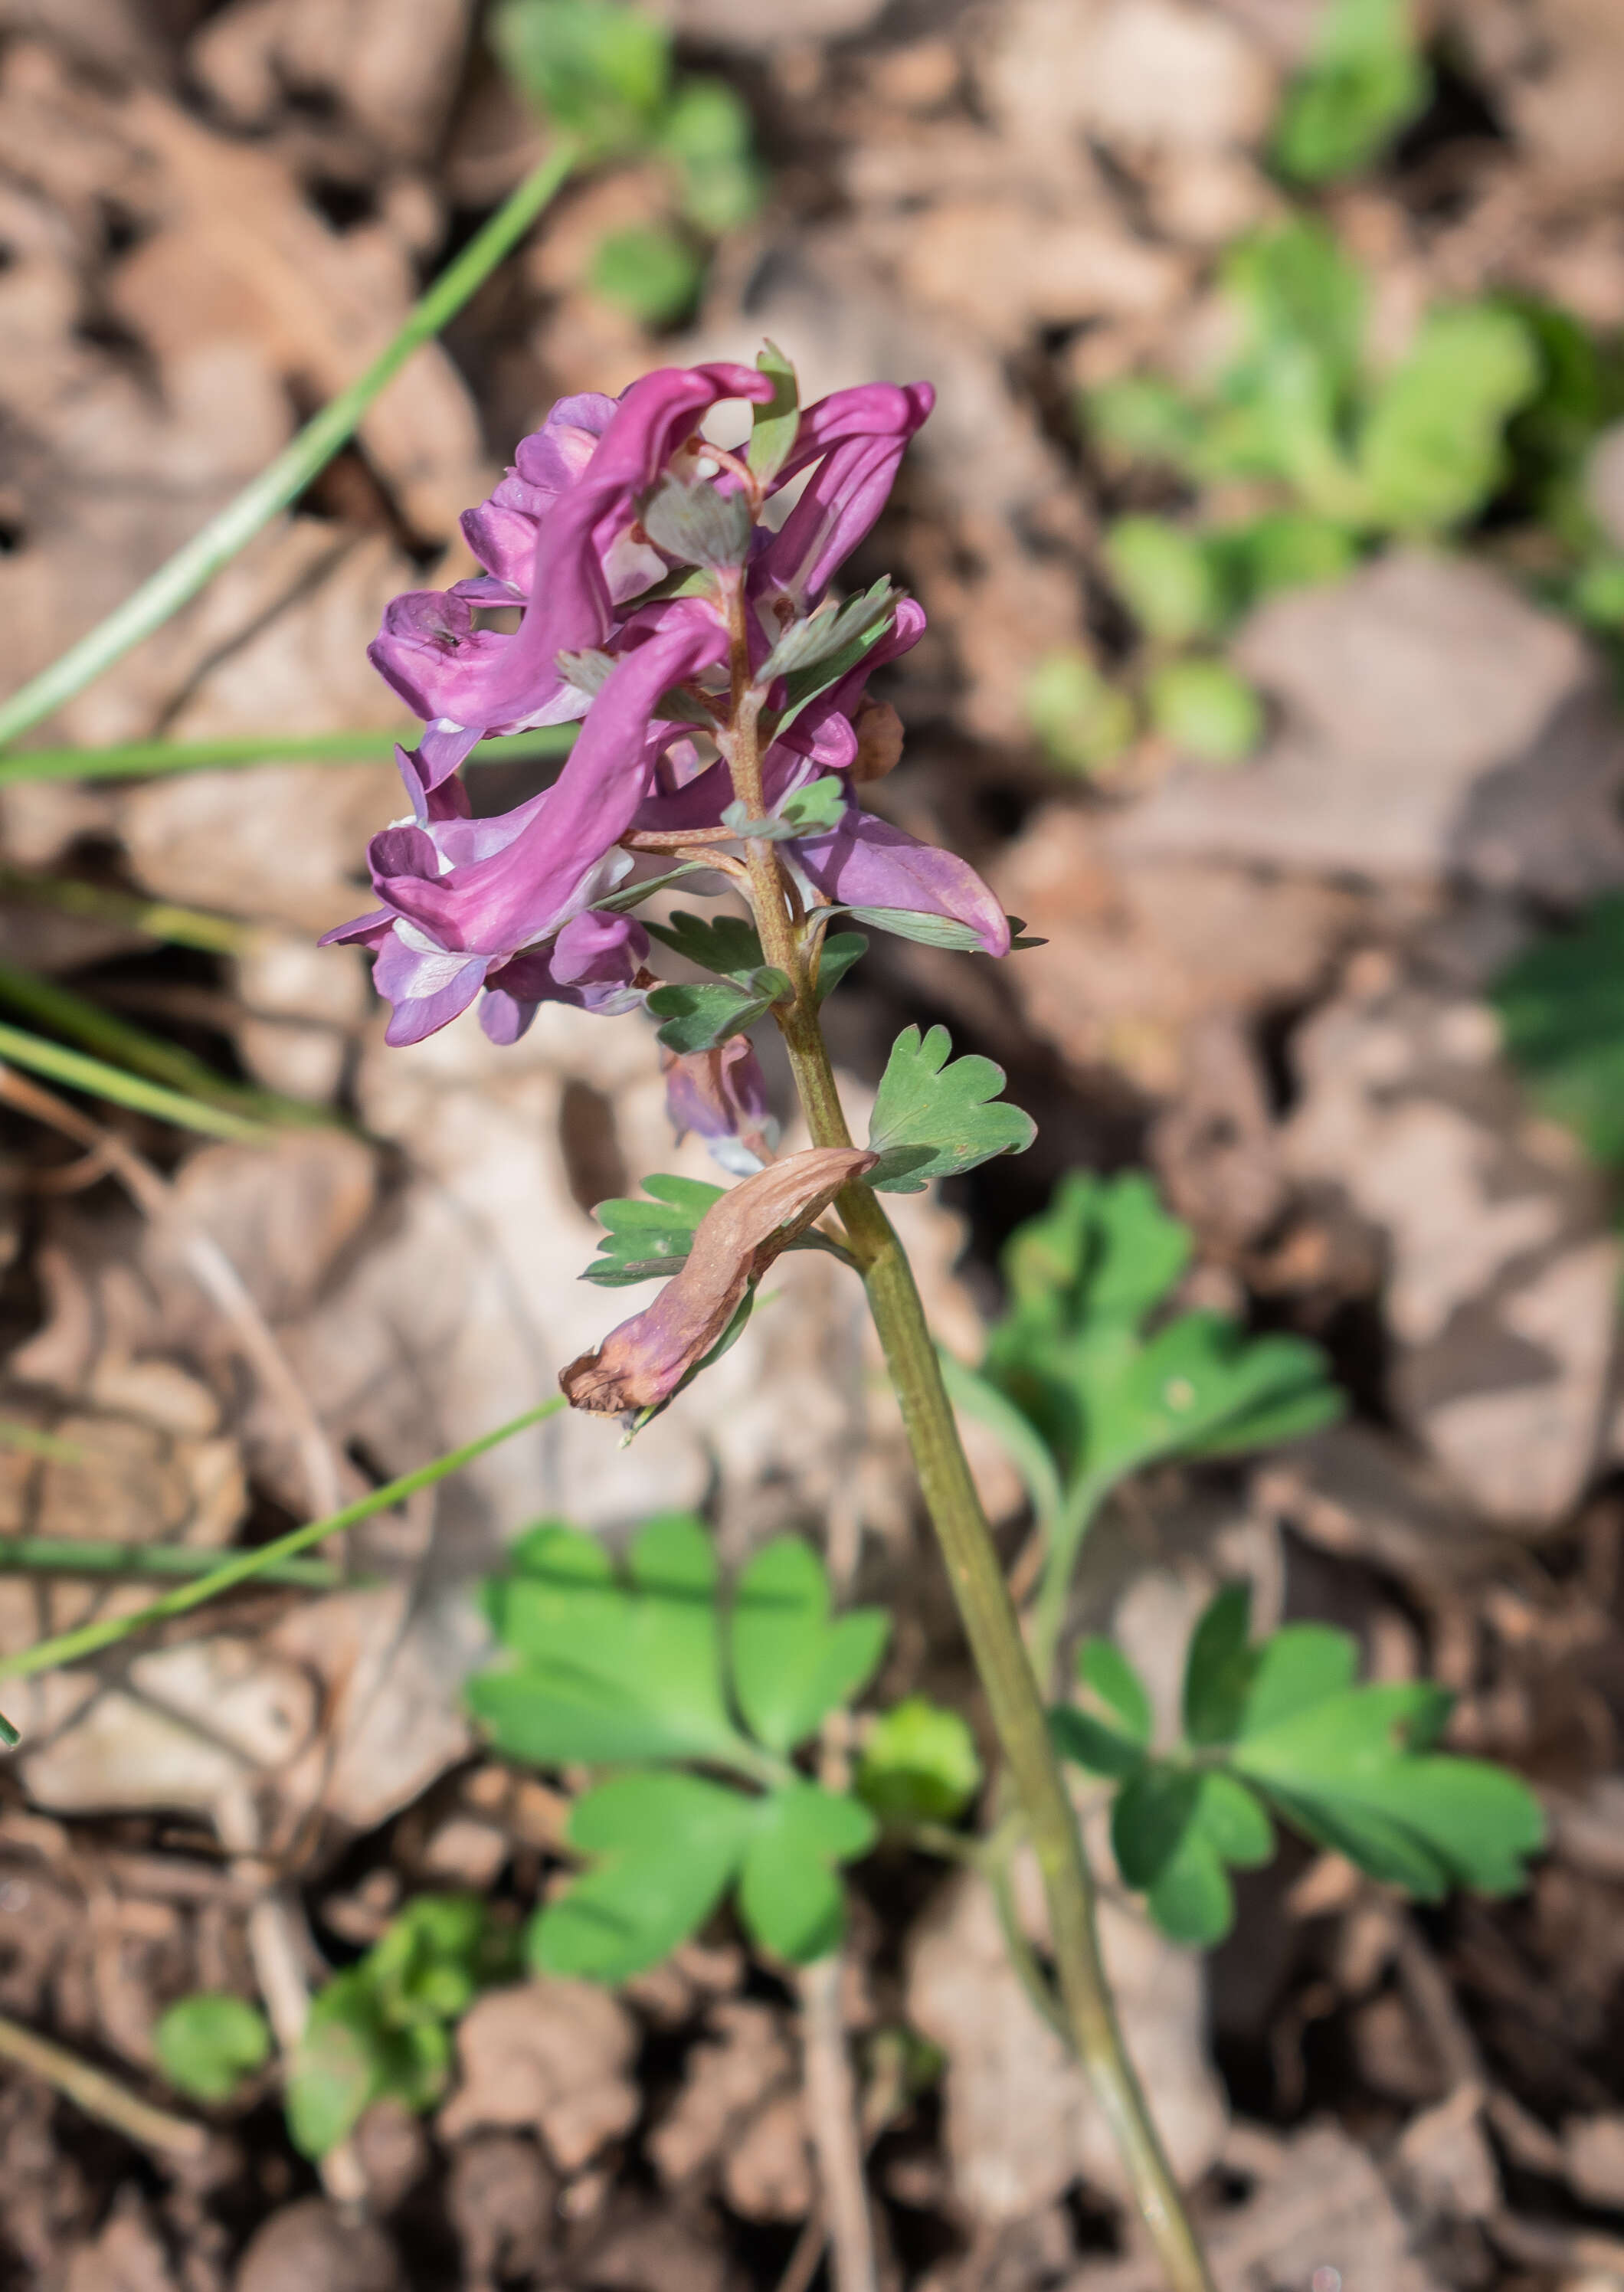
point(506, 908)
point(721, 1095)
point(503, 530)
point(462, 898)
point(867, 862)
point(859, 436)
point(558, 537)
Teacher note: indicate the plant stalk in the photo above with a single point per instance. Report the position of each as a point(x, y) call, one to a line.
point(985, 1610)
point(993, 1630)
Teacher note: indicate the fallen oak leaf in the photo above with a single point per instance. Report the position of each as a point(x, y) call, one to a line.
point(640, 1364)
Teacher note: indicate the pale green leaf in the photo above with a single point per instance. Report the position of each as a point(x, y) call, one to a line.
point(932, 1119)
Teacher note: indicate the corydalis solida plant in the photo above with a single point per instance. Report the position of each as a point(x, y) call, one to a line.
point(725, 726)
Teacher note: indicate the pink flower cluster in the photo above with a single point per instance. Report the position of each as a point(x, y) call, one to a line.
point(509, 908)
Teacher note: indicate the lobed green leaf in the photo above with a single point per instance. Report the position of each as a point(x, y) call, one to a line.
point(792, 1662)
point(932, 1119)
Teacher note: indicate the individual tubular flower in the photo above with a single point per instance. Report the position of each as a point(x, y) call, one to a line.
point(868, 862)
point(463, 899)
point(857, 436)
point(720, 1095)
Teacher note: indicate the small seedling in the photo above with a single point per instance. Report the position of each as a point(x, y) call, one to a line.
point(1091, 1375)
point(1493, 408)
point(1365, 81)
point(602, 71)
point(380, 2027)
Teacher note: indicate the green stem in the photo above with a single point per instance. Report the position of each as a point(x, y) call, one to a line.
point(102, 1034)
point(68, 1555)
point(1008, 1679)
point(285, 478)
point(985, 1610)
point(1066, 1531)
point(99, 1080)
point(134, 759)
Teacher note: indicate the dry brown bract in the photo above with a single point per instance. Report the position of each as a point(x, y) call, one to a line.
point(641, 1363)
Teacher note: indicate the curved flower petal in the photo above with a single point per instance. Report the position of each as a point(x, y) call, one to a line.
point(428, 985)
point(570, 600)
point(867, 862)
point(862, 435)
point(498, 884)
point(593, 964)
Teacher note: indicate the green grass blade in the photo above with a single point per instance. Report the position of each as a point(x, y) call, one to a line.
point(102, 903)
point(97, 1080)
point(98, 1032)
point(68, 1555)
point(194, 565)
point(89, 1639)
point(137, 759)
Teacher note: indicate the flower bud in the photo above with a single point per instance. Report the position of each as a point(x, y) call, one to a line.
point(879, 740)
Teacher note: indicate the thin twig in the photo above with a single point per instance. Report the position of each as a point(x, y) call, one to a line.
point(832, 2119)
point(274, 1935)
point(101, 2096)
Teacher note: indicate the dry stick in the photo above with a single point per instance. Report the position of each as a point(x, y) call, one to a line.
point(833, 2108)
point(832, 2114)
point(986, 1612)
point(101, 2096)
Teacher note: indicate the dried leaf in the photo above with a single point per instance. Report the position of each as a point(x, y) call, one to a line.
point(640, 1364)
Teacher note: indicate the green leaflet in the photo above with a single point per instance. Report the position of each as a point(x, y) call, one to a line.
point(698, 1018)
point(789, 1895)
point(207, 2044)
point(1279, 1726)
point(793, 1663)
point(650, 1672)
point(665, 1849)
point(607, 1669)
point(774, 426)
point(1106, 1671)
point(728, 945)
point(932, 1119)
point(1355, 1771)
point(644, 1240)
point(1165, 577)
point(598, 68)
point(1432, 449)
point(1365, 81)
point(1072, 1354)
point(920, 1764)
